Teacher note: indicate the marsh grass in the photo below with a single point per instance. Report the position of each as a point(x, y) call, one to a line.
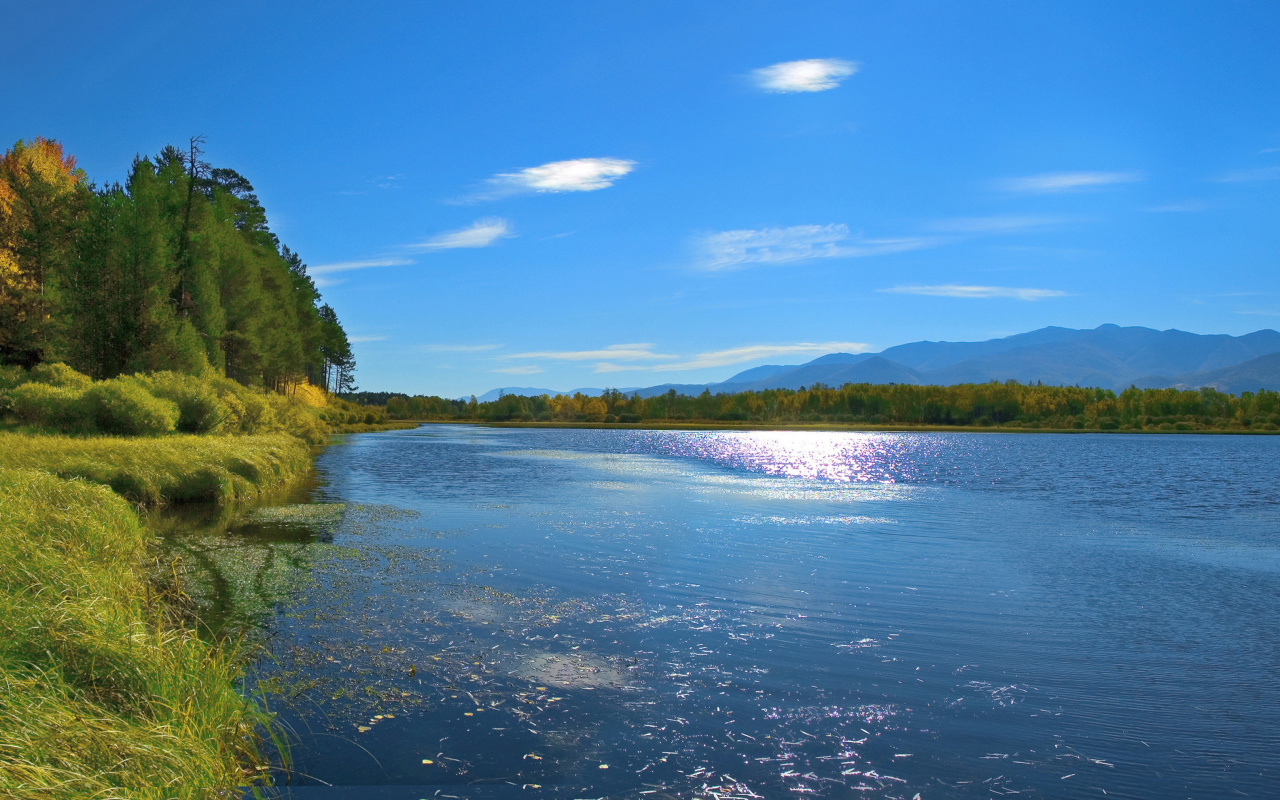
point(101, 695)
point(170, 469)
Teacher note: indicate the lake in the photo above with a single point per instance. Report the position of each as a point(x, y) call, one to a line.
point(483, 612)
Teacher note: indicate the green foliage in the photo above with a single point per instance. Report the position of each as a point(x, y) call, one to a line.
point(200, 409)
point(176, 270)
point(50, 407)
point(162, 402)
point(985, 405)
point(59, 374)
point(122, 407)
point(12, 376)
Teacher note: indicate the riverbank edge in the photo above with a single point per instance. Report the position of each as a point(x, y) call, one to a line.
point(714, 425)
point(106, 689)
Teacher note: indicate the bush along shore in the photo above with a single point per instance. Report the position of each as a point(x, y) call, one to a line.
point(106, 690)
point(1008, 406)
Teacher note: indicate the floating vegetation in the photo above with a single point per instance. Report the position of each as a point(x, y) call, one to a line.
point(573, 670)
point(318, 516)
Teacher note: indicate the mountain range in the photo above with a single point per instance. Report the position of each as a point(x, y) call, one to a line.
point(1108, 356)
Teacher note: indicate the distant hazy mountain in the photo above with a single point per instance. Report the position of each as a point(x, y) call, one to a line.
point(1109, 356)
point(1257, 373)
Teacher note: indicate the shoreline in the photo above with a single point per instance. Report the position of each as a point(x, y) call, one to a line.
point(713, 425)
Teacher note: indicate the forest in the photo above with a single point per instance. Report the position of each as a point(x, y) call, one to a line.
point(175, 269)
point(986, 405)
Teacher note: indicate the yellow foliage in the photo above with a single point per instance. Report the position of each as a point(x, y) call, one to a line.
point(40, 158)
point(309, 395)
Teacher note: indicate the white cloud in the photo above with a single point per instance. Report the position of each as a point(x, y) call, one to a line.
point(359, 339)
point(618, 352)
point(1247, 175)
point(481, 233)
point(738, 355)
point(1050, 182)
point(344, 266)
point(952, 290)
point(576, 175)
point(994, 224)
point(730, 249)
point(608, 358)
point(809, 75)
point(733, 355)
point(459, 348)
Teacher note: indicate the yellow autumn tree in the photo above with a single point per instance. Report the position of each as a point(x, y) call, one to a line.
point(37, 183)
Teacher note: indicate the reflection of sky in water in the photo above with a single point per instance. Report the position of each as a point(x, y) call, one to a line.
point(783, 613)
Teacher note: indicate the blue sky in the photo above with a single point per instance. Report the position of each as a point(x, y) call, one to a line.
point(625, 194)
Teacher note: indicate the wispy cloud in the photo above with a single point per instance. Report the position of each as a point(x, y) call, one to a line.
point(345, 266)
point(639, 357)
point(481, 233)
point(360, 339)
point(459, 348)
point(617, 352)
point(732, 249)
point(809, 75)
point(993, 224)
point(953, 290)
point(523, 369)
point(754, 352)
point(1248, 175)
point(1052, 182)
point(576, 175)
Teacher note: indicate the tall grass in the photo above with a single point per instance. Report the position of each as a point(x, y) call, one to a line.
point(100, 695)
point(169, 469)
point(106, 691)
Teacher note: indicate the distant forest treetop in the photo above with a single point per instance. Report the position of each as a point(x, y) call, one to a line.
point(1008, 405)
point(176, 269)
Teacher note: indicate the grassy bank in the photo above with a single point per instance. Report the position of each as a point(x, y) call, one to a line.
point(170, 469)
point(101, 693)
point(106, 690)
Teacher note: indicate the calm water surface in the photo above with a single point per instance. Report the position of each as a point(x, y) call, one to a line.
point(591, 613)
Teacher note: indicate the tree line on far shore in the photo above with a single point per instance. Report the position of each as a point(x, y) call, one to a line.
point(176, 269)
point(984, 405)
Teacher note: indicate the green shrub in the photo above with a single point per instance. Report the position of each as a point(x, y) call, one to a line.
point(48, 406)
point(200, 409)
point(122, 407)
point(12, 377)
point(258, 415)
point(59, 374)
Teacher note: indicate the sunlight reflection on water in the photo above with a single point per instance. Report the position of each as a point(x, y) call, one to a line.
point(844, 457)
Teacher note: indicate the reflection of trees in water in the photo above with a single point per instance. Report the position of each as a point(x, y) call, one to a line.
point(237, 564)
